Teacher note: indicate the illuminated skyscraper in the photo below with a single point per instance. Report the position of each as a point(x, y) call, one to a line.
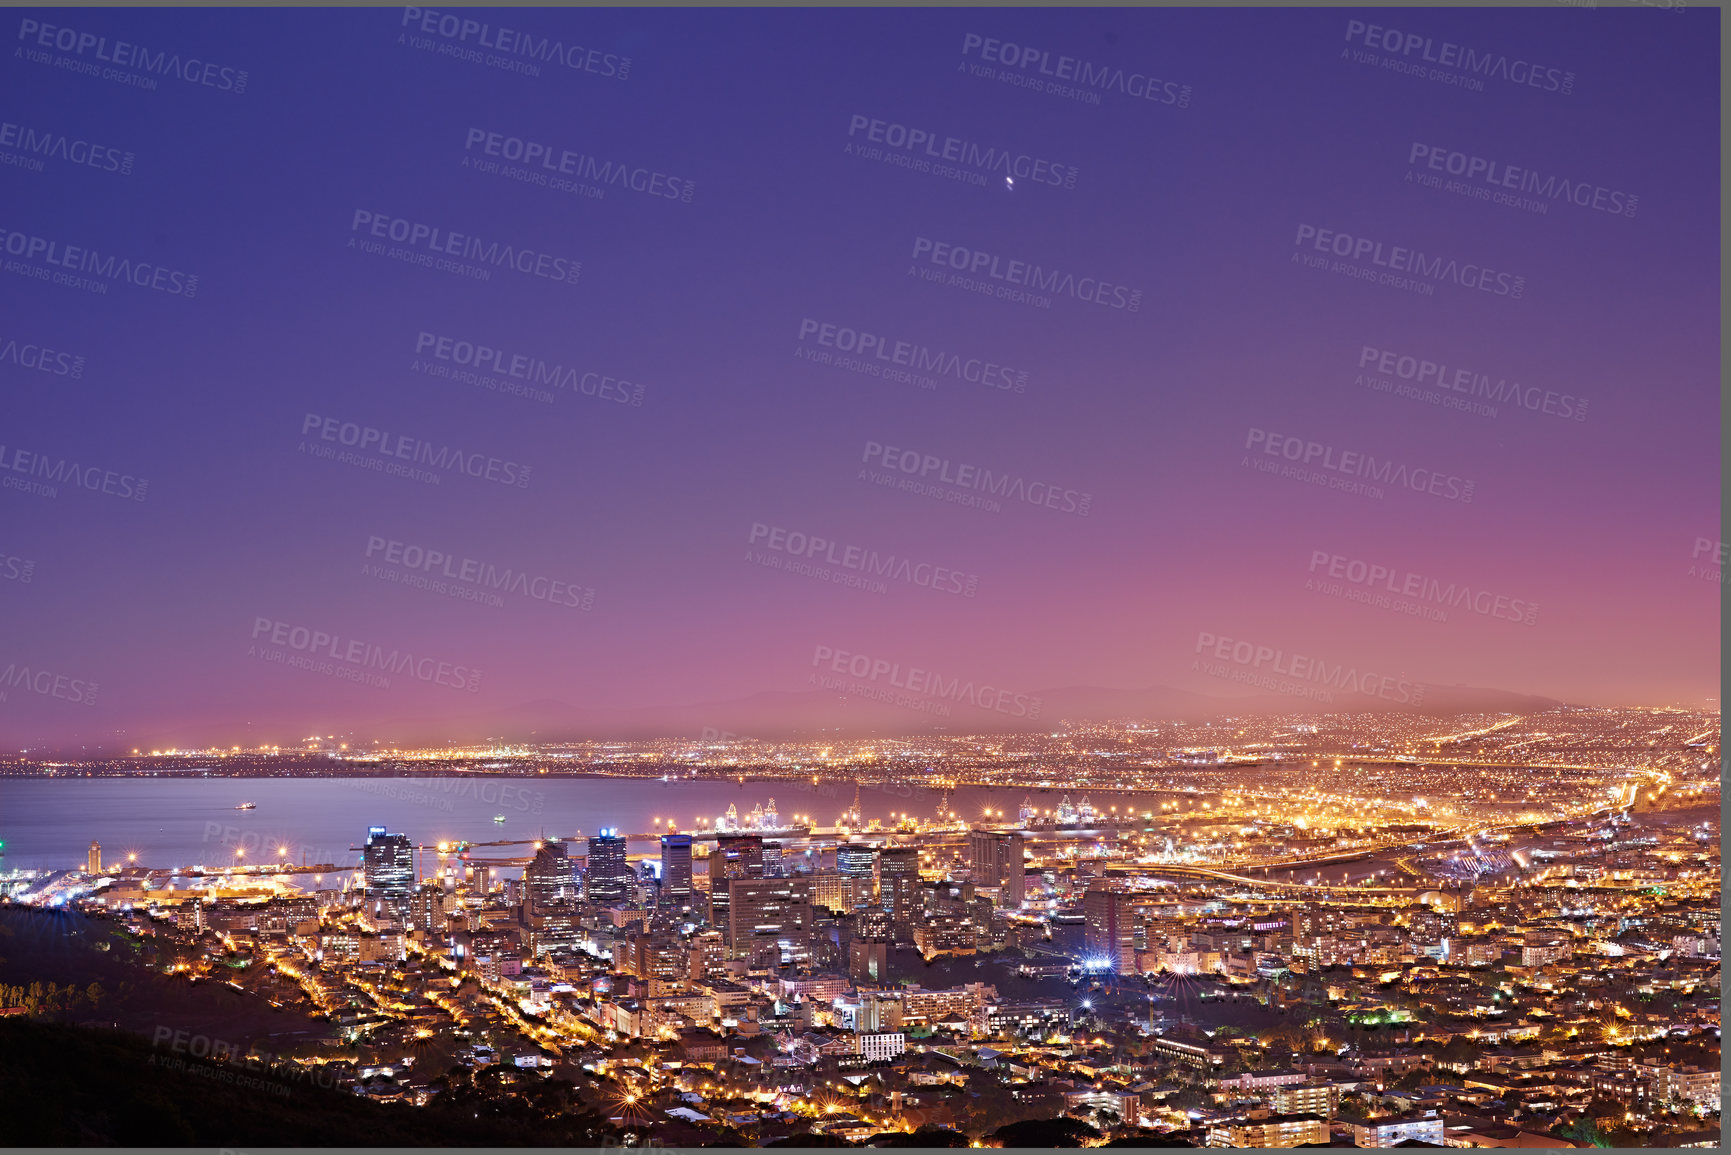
point(609, 873)
point(736, 856)
point(389, 861)
point(854, 859)
point(741, 855)
point(997, 862)
point(1110, 937)
point(899, 884)
point(93, 861)
point(676, 869)
point(858, 864)
point(769, 915)
point(426, 910)
point(549, 880)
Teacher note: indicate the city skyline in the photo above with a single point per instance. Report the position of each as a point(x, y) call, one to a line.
point(928, 577)
point(1345, 930)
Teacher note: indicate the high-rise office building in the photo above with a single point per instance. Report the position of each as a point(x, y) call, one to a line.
point(389, 861)
point(856, 859)
point(997, 862)
point(868, 960)
point(609, 873)
point(93, 860)
point(899, 884)
point(858, 864)
point(426, 910)
point(676, 869)
point(769, 912)
point(550, 882)
point(1110, 937)
point(741, 856)
point(835, 891)
point(735, 856)
point(658, 956)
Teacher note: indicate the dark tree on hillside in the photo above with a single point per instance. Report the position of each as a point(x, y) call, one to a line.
point(1060, 1132)
point(927, 1136)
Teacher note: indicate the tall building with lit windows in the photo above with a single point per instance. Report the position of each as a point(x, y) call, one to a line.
point(676, 869)
point(549, 882)
point(735, 856)
point(899, 885)
point(609, 872)
point(997, 861)
point(772, 915)
point(1110, 935)
point(93, 861)
point(389, 863)
point(856, 859)
point(858, 864)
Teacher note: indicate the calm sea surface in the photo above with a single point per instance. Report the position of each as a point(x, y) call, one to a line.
point(177, 822)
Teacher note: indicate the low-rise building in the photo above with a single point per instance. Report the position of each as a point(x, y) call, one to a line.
point(1393, 1130)
point(1274, 1131)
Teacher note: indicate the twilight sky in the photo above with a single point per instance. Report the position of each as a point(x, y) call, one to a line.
point(1333, 226)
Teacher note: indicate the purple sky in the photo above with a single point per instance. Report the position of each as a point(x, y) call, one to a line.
point(1266, 134)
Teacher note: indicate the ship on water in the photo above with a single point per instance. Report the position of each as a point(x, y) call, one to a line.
point(246, 806)
point(761, 820)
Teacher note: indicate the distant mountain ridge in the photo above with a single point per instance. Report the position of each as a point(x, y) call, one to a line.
point(803, 714)
point(775, 715)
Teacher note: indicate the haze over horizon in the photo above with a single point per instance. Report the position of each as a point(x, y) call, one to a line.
point(616, 475)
